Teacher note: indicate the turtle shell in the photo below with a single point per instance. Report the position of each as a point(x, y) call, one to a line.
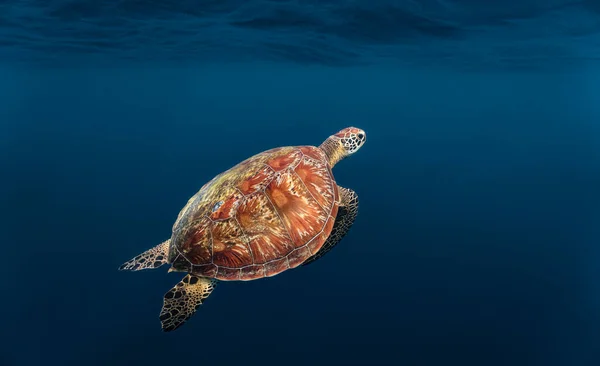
point(267, 214)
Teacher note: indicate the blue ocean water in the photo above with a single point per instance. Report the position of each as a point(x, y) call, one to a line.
point(477, 237)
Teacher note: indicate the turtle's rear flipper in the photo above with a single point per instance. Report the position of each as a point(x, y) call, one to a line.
point(181, 302)
point(151, 258)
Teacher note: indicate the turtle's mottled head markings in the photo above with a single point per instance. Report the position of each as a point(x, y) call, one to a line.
point(343, 144)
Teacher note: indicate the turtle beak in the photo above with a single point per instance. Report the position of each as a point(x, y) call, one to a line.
point(171, 269)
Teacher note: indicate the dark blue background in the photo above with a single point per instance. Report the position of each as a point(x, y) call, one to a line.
point(477, 237)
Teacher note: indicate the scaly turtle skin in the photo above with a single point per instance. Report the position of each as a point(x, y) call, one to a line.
point(269, 213)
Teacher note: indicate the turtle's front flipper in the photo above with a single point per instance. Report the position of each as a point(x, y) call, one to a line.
point(345, 218)
point(151, 258)
point(181, 302)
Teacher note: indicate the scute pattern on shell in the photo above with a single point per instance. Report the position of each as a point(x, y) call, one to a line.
point(267, 214)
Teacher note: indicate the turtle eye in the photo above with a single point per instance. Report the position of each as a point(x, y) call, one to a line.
point(361, 136)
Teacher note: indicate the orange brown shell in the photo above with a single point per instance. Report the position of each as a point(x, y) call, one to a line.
point(265, 215)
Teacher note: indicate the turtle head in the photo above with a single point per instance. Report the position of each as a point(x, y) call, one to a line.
point(352, 139)
point(343, 144)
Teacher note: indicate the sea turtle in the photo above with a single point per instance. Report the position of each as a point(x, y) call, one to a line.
point(274, 211)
